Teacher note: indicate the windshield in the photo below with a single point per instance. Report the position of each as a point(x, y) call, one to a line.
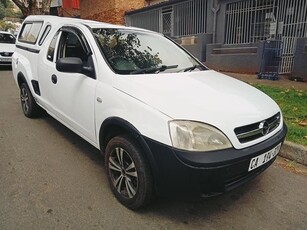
point(7, 38)
point(136, 52)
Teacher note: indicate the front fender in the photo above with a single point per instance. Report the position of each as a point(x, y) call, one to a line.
point(115, 126)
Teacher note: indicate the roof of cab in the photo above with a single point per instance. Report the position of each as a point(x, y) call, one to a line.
point(66, 20)
point(56, 19)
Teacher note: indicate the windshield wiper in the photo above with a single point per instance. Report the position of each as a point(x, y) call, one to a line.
point(191, 68)
point(154, 69)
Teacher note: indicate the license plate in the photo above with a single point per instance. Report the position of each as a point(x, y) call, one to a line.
point(263, 158)
point(5, 59)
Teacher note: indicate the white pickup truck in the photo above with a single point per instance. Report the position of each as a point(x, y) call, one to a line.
point(166, 124)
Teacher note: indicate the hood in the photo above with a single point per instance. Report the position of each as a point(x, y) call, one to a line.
point(205, 96)
point(4, 47)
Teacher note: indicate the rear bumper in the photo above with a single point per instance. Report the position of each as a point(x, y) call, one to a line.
point(180, 173)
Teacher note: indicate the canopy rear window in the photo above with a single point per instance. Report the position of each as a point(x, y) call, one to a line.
point(29, 32)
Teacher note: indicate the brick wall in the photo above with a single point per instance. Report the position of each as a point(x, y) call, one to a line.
point(71, 13)
point(111, 11)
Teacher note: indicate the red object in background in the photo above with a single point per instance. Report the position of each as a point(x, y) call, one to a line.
point(71, 4)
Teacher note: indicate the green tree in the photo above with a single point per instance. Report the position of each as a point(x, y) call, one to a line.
point(4, 3)
point(7, 10)
point(2, 11)
point(5, 26)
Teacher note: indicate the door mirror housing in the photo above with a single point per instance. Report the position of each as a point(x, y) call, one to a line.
point(69, 65)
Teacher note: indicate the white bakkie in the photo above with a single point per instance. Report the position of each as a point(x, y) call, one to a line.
point(166, 124)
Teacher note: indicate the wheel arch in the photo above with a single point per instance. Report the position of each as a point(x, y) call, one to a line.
point(115, 126)
point(21, 79)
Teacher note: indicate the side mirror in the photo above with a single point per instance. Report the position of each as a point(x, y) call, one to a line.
point(69, 65)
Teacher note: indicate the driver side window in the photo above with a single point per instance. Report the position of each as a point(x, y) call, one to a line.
point(70, 46)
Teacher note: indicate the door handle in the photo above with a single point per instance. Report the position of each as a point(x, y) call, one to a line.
point(54, 79)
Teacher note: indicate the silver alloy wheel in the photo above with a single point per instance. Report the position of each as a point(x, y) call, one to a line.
point(25, 100)
point(123, 173)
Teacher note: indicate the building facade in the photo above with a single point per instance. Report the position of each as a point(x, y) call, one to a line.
point(231, 33)
point(228, 35)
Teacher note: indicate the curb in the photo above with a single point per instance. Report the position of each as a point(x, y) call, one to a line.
point(295, 152)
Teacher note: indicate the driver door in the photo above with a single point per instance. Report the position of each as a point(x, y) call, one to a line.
point(72, 95)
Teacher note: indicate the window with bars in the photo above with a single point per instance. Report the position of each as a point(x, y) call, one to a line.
point(180, 19)
point(255, 20)
point(250, 21)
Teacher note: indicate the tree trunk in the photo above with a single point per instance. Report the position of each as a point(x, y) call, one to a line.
point(30, 7)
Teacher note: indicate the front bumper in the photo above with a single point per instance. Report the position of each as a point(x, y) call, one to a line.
point(180, 173)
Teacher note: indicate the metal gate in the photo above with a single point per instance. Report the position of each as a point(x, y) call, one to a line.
point(256, 20)
point(183, 18)
point(292, 21)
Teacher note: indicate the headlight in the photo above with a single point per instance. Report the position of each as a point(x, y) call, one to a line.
point(195, 136)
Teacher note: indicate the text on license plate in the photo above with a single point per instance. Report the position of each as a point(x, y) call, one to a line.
point(263, 158)
point(5, 59)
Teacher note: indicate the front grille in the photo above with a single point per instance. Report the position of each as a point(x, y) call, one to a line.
point(254, 131)
point(6, 54)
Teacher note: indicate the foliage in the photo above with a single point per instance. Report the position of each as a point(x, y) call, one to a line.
point(2, 11)
point(7, 10)
point(5, 3)
point(293, 105)
point(5, 26)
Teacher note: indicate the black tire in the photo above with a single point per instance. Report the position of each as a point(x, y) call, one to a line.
point(128, 173)
point(29, 107)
